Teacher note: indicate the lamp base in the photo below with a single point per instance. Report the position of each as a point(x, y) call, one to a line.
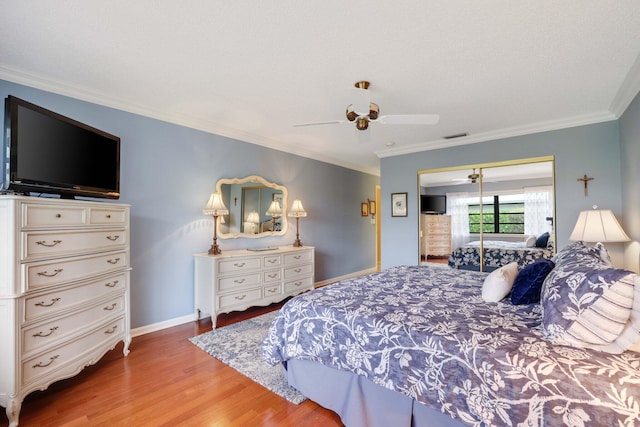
point(297, 243)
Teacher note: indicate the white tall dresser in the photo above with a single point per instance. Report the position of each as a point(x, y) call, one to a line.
point(64, 290)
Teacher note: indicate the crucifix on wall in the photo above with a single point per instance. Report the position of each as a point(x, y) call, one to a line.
point(585, 179)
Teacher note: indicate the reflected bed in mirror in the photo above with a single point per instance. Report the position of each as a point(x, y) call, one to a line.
point(257, 208)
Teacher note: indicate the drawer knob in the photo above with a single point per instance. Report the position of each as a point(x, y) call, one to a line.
point(44, 304)
point(298, 270)
point(113, 261)
point(111, 307)
point(271, 291)
point(43, 335)
point(297, 256)
point(272, 276)
point(58, 215)
point(297, 284)
point(111, 330)
point(238, 281)
point(44, 365)
point(55, 273)
point(112, 284)
point(240, 297)
point(271, 261)
point(113, 238)
point(108, 216)
point(239, 264)
point(48, 245)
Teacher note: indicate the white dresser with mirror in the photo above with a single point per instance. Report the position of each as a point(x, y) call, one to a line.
point(239, 279)
point(64, 290)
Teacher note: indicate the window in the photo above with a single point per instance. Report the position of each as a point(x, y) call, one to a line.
point(502, 214)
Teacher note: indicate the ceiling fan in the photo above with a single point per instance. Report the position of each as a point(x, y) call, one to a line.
point(362, 111)
point(472, 178)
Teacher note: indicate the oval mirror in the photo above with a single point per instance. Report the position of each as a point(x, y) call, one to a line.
point(257, 208)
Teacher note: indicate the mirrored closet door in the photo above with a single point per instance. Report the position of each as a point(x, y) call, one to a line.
point(483, 216)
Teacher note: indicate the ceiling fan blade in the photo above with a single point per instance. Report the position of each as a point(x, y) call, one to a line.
point(409, 119)
point(331, 122)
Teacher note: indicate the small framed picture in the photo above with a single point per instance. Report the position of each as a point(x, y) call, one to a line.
point(372, 207)
point(398, 204)
point(364, 209)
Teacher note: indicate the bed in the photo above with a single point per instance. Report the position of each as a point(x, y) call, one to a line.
point(418, 346)
point(496, 253)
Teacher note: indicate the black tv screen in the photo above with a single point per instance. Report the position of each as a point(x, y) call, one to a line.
point(51, 153)
point(436, 204)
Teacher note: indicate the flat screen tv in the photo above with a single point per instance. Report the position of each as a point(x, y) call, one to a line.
point(45, 152)
point(435, 204)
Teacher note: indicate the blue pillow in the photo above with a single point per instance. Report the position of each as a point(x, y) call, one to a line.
point(528, 285)
point(542, 240)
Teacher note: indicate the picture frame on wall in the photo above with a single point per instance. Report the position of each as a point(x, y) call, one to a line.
point(398, 204)
point(364, 209)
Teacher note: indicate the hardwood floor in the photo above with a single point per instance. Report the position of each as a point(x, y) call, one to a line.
point(167, 381)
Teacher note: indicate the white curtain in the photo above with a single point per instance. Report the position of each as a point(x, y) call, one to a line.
point(458, 209)
point(538, 205)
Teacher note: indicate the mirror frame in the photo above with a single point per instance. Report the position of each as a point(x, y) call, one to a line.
point(259, 180)
point(479, 167)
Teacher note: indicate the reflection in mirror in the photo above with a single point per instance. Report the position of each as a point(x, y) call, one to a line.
point(494, 214)
point(257, 208)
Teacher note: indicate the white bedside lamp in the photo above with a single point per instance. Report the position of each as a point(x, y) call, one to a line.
point(297, 212)
point(598, 225)
point(215, 207)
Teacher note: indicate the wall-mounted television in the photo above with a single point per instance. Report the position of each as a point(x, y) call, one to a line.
point(433, 204)
point(45, 152)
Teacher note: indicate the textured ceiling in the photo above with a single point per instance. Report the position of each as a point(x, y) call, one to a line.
point(251, 70)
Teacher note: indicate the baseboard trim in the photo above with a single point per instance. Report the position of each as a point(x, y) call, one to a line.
point(192, 317)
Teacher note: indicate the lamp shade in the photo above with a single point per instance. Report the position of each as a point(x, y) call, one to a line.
point(215, 206)
point(274, 209)
point(598, 225)
point(253, 217)
point(297, 211)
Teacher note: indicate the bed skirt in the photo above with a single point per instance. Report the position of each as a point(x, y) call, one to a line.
point(358, 401)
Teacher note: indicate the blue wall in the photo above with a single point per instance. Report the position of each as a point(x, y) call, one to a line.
point(167, 175)
point(630, 157)
point(593, 150)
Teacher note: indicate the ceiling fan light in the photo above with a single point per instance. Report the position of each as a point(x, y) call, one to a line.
point(374, 110)
point(351, 113)
point(362, 123)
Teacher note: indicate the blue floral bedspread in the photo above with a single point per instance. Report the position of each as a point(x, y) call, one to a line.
point(425, 332)
point(496, 254)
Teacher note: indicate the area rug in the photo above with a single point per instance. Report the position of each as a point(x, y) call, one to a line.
point(239, 346)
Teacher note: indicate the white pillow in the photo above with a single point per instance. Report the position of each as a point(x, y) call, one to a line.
point(498, 283)
point(530, 241)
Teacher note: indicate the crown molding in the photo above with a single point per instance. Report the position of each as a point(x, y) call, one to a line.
point(627, 91)
point(500, 134)
point(63, 88)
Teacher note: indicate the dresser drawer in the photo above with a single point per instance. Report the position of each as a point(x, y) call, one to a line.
point(298, 257)
point(272, 291)
point(64, 243)
point(37, 275)
point(238, 265)
point(271, 276)
point(57, 358)
point(239, 298)
point(272, 261)
point(297, 286)
point(38, 336)
point(47, 303)
point(299, 270)
point(34, 215)
point(108, 216)
point(235, 282)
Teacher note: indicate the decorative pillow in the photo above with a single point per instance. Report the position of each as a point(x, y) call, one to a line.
point(590, 304)
point(530, 241)
point(498, 283)
point(542, 240)
point(528, 284)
